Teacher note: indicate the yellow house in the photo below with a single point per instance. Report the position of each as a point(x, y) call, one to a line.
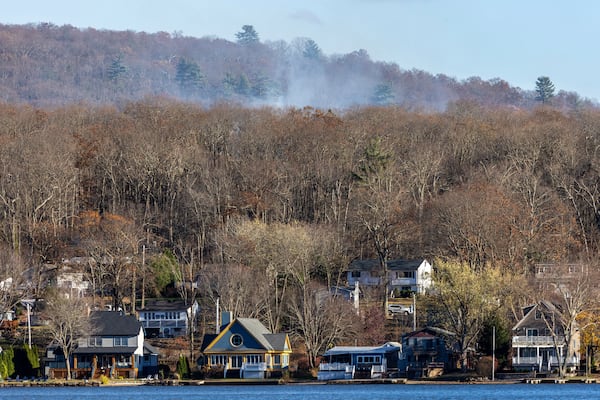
point(245, 348)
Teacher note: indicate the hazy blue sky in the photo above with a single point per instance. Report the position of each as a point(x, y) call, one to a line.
point(515, 40)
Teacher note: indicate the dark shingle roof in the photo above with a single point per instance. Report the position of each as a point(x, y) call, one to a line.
point(113, 323)
point(164, 305)
point(277, 340)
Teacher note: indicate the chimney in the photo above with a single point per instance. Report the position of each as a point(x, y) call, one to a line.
point(226, 318)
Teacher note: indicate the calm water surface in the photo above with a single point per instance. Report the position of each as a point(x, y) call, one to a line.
point(313, 392)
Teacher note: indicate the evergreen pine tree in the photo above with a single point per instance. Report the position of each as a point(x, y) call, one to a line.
point(116, 70)
point(311, 50)
point(188, 76)
point(247, 35)
point(383, 95)
point(544, 89)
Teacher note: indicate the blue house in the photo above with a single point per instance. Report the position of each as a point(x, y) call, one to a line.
point(426, 353)
point(353, 362)
point(245, 348)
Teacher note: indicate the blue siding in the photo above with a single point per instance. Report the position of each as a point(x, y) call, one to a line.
point(249, 343)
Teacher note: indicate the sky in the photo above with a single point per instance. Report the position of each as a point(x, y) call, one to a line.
point(514, 40)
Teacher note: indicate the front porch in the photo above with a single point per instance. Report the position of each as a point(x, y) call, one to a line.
point(86, 367)
point(541, 358)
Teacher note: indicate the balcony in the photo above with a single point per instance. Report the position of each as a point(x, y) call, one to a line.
point(335, 371)
point(539, 361)
point(403, 282)
point(164, 323)
point(536, 341)
point(253, 370)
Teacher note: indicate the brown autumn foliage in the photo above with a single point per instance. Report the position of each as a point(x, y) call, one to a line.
point(497, 186)
point(479, 186)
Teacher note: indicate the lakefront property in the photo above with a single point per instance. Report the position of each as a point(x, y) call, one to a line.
point(153, 344)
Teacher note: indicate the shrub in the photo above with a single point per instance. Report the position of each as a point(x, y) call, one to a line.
point(183, 367)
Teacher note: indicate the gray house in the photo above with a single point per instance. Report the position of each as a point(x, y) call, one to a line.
point(536, 346)
point(115, 348)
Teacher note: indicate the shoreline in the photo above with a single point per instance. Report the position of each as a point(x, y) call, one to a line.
point(273, 382)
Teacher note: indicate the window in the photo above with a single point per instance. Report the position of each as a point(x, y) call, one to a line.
point(355, 274)
point(276, 359)
point(236, 340)
point(236, 361)
point(527, 352)
point(120, 341)
point(532, 332)
point(95, 341)
point(409, 274)
point(254, 358)
point(218, 360)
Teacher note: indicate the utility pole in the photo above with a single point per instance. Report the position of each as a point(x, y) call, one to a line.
point(218, 318)
point(493, 350)
point(414, 311)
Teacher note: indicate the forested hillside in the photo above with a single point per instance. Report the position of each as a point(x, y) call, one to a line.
point(483, 185)
point(253, 173)
point(49, 65)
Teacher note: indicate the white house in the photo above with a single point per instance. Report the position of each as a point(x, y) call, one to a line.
point(72, 284)
point(167, 318)
point(403, 275)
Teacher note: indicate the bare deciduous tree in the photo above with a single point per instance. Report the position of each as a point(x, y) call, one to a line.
point(321, 319)
point(68, 321)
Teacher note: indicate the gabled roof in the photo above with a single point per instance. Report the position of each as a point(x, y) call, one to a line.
point(255, 328)
point(530, 310)
point(393, 265)
point(429, 331)
point(251, 328)
point(207, 340)
point(113, 323)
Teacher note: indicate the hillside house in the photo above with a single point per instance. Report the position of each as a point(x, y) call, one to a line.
point(403, 275)
point(167, 318)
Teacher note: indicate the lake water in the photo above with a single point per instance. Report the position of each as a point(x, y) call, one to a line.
point(312, 392)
